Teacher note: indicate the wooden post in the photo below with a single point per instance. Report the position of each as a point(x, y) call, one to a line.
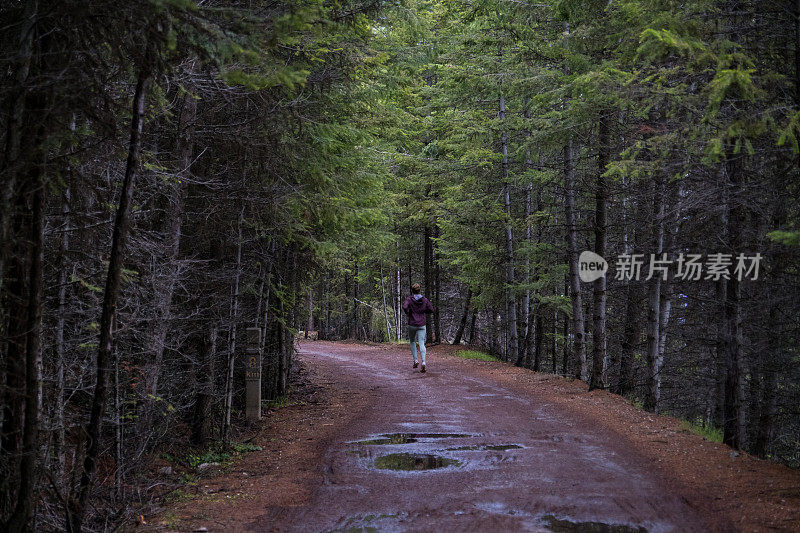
point(253, 375)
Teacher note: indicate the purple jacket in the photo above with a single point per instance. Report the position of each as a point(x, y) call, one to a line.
point(416, 309)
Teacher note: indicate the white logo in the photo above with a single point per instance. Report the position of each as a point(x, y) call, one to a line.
point(591, 267)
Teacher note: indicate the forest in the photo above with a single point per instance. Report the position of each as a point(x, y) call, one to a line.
point(176, 171)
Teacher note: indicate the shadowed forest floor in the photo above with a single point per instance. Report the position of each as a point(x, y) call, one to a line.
point(509, 449)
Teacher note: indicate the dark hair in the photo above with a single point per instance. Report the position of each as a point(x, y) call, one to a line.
point(415, 288)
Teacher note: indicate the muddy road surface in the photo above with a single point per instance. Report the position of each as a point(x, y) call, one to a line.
point(366, 443)
point(453, 450)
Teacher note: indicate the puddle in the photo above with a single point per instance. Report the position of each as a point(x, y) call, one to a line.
point(394, 438)
point(493, 447)
point(560, 525)
point(411, 461)
point(408, 438)
point(503, 447)
point(368, 523)
point(442, 435)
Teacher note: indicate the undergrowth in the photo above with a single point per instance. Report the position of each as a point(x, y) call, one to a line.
point(216, 454)
point(707, 431)
point(474, 354)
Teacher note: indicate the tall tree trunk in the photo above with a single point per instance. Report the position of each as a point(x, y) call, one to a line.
point(566, 356)
point(622, 361)
point(288, 339)
point(437, 271)
point(234, 317)
point(773, 359)
point(630, 339)
point(166, 274)
point(119, 462)
point(599, 362)
point(58, 417)
point(15, 294)
point(579, 337)
point(347, 311)
point(770, 367)
point(663, 316)
point(428, 274)
point(653, 337)
point(310, 305)
point(11, 163)
point(766, 419)
point(26, 495)
point(472, 321)
point(530, 333)
point(385, 313)
point(320, 320)
point(654, 359)
point(537, 353)
point(526, 332)
point(665, 304)
point(267, 385)
point(733, 434)
point(511, 304)
point(328, 304)
point(398, 301)
point(281, 360)
point(720, 289)
point(202, 425)
point(463, 323)
point(356, 306)
point(110, 296)
point(491, 334)
point(553, 343)
point(526, 326)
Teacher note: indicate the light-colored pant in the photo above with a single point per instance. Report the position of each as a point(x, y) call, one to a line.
point(417, 335)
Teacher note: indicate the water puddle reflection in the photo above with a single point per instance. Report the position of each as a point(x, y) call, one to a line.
point(483, 447)
point(414, 462)
point(562, 525)
point(408, 438)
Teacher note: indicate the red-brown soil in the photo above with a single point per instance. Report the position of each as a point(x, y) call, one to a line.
point(580, 457)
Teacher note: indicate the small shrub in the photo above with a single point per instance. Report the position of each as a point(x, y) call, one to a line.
point(473, 354)
point(246, 447)
point(282, 401)
point(707, 431)
point(209, 457)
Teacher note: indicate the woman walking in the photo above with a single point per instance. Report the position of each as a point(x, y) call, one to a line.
point(415, 307)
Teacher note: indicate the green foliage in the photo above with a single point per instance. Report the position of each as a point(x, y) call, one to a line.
point(286, 77)
point(659, 44)
point(278, 403)
point(246, 447)
point(214, 454)
point(730, 83)
point(209, 456)
point(707, 431)
point(473, 354)
point(789, 134)
point(181, 495)
point(788, 238)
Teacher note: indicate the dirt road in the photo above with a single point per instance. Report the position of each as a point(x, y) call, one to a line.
point(474, 446)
